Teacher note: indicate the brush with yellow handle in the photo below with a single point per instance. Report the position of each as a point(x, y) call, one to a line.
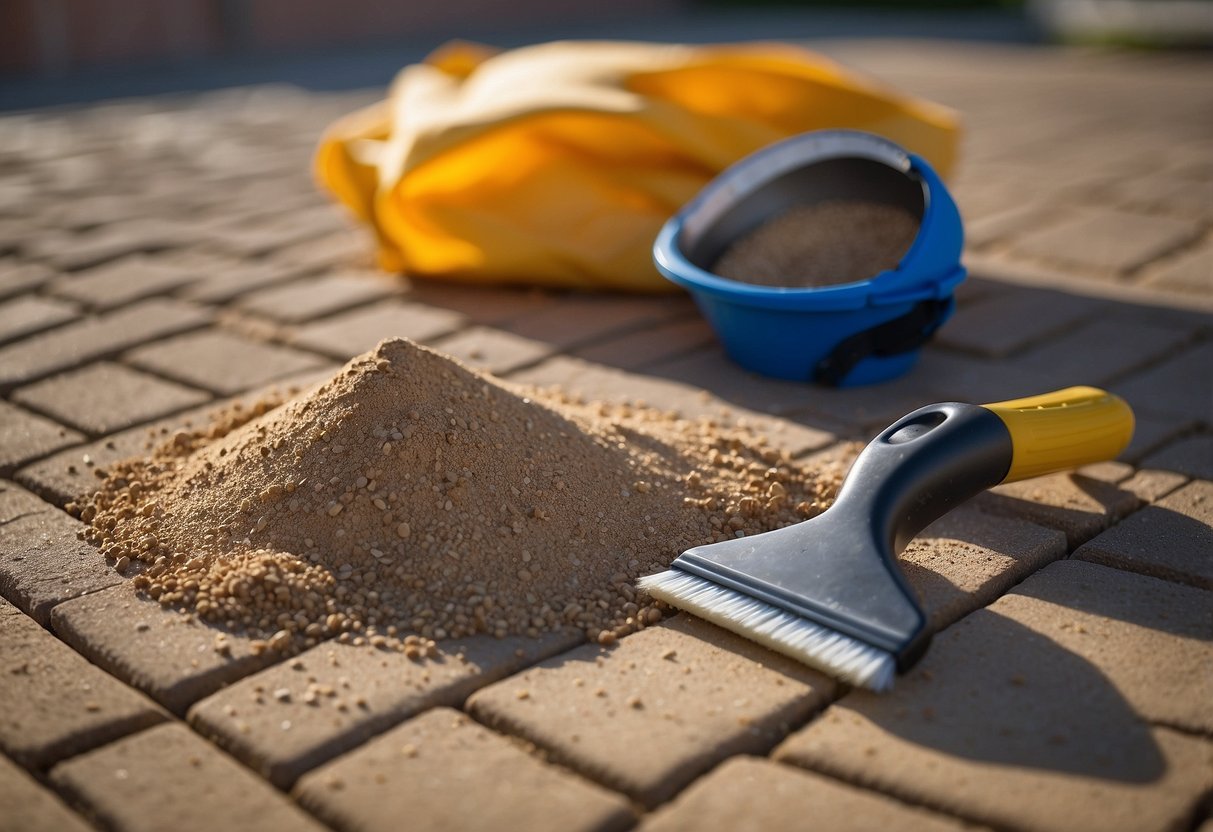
point(828, 591)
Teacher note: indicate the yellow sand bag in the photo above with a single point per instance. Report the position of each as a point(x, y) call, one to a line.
point(557, 164)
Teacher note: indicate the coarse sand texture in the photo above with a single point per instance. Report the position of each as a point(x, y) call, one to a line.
point(410, 498)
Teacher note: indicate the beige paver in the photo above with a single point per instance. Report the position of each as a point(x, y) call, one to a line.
point(1151, 485)
point(25, 436)
point(1105, 239)
point(1010, 321)
point(223, 282)
point(124, 281)
point(1042, 711)
point(1192, 456)
point(30, 314)
point(30, 807)
point(573, 320)
point(171, 656)
point(272, 723)
point(72, 252)
point(497, 351)
point(966, 559)
point(1077, 504)
point(306, 300)
point(649, 716)
point(56, 703)
point(18, 277)
point(443, 771)
point(637, 350)
point(222, 362)
point(95, 337)
point(751, 795)
point(169, 778)
point(106, 397)
point(1181, 386)
point(1171, 539)
point(44, 563)
point(1191, 272)
point(342, 250)
point(486, 305)
point(353, 333)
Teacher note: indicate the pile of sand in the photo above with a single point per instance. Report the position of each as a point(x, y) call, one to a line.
point(411, 498)
point(837, 241)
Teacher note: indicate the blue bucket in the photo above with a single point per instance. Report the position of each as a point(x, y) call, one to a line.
point(842, 335)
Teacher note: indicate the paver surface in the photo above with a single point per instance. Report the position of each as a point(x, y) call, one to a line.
point(160, 255)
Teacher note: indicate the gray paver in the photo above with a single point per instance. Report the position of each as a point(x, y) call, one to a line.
point(169, 778)
point(95, 337)
point(305, 300)
point(222, 362)
point(1180, 386)
point(30, 807)
point(1104, 239)
point(1036, 712)
point(750, 795)
point(353, 333)
point(663, 707)
point(56, 703)
point(226, 280)
point(170, 656)
point(1009, 321)
point(44, 563)
point(25, 436)
point(364, 692)
point(106, 397)
point(28, 315)
point(1171, 539)
point(428, 768)
point(72, 252)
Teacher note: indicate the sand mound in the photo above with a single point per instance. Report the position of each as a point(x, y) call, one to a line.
point(412, 496)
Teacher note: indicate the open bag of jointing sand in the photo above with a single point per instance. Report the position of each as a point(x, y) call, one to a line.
point(410, 498)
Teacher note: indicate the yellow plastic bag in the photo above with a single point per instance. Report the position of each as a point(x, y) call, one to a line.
point(557, 164)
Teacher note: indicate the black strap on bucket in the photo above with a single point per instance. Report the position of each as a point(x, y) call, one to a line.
point(909, 332)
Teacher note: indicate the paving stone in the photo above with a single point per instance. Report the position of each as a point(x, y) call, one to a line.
point(487, 305)
point(494, 350)
point(637, 350)
point(1152, 431)
point(1079, 505)
point(95, 337)
point(343, 250)
point(990, 228)
point(1180, 386)
point(27, 315)
point(1012, 320)
point(426, 769)
point(29, 807)
point(306, 300)
point(44, 563)
point(281, 738)
point(750, 795)
point(1191, 271)
point(1100, 351)
point(222, 362)
point(967, 559)
point(226, 281)
point(1105, 239)
point(1192, 456)
point(124, 281)
point(594, 381)
point(1172, 539)
point(241, 239)
point(1151, 485)
point(56, 703)
point(1042, 711)
point(169, 778)
point(168, 655)
point(353, 333)
point(18, 276)
point(73, 252)
point(572, 320)
point(950, 376)
point(69, 474)
point(25, 436)
point(106, 397)
point(666, 705)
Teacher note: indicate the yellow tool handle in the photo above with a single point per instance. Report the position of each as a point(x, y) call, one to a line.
point(1063, 429)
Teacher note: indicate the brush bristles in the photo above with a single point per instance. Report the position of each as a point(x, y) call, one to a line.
point(826, 649)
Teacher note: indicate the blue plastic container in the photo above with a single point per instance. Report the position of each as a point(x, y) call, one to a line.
point(840, 335)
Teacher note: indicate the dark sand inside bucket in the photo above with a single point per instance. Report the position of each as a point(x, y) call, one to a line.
point(838, 241)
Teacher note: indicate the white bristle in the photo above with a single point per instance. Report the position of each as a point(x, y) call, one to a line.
point(826, 649)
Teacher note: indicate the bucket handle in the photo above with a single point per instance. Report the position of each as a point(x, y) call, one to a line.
point(902, 334)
